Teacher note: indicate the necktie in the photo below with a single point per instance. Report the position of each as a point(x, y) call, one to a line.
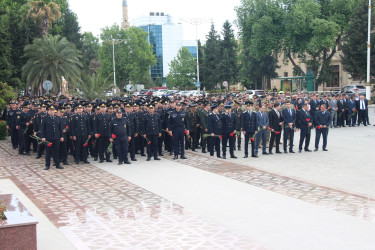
point(324, 112)
point(290, 112)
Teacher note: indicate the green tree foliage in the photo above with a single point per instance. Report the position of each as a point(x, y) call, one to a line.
point(6, 95)
point(209, 67)
point(50, 59)
point(182, 72)
point(133, 54)
point(309, 28)
point(44, 14)
point(5, 46)
point(92, 86)
point(90, 50)
point(228, 67)
point(354, 45)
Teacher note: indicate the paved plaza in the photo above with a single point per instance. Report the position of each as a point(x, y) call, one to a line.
point(309, 200)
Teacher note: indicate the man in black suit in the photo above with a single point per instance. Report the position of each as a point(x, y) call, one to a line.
point(341, 108)
point(289, 116)
point(276, 122)
point(305, 122)
point(323, 119)
point(249, 128)
point(362, 106)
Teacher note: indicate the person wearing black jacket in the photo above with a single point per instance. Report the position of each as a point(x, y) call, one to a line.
point(11, 123)
point(341, 109)
point(121, 135)
point(305, 124)
point(276, 122)
point(80, 132)
point(249, 128)
point(152, 131)
point(323, 119)
point(229, 121)
point(290, 119)
point(130, 117)
point(101, 130)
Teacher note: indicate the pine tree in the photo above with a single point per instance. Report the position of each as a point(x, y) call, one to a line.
point(354, 47)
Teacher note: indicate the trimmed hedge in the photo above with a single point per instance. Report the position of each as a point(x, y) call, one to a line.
point(3, 130)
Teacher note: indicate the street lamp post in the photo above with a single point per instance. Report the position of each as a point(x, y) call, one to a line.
point(368, 83)
point(114, 65)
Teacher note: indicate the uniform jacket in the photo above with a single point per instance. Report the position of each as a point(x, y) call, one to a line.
point(249, 122)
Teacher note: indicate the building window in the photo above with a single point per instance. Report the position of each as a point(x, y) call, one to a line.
point(334, 81)
point(285, 74)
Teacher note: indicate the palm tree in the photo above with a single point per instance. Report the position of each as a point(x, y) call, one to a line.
point(93, 86)
point(50, 59)
point(45, 14)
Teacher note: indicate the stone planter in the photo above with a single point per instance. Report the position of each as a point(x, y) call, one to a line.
point(18, 231)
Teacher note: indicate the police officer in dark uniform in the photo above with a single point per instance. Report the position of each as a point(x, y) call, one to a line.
point(22, 125)
point(203, 117)
point(101, 130)
point(229, 121)
point(36, 126)
point(215, 130)
point(51, 132)
point(130, 117)
point(120, 131)
point(249, 128)
point(323, 119)
point(139, 118)
point(95, 146)
point(163, 116)
point(33, 112)
point(80, 132)
point(63, 150)
point(169, 139)
point(237, 111)
point(193, 119)
point(11, 123)
point(177, 125)
point(152, 130)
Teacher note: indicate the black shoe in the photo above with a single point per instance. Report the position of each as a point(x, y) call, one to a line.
point(175, 157)
point(120, 163)
point(46, 167)
point(127, 162)
point(245, 156)
point(264, 153)
point(239, 148)
point(291, 151)
point(109, 160)
point(315, 150)
point(143, 154)
point(193, 150)
point(308, 150)
point(344, 126)
point(148, 158)
point(285, 152)
point(101, 161)
point(76, 162)
point(171, 153)
point(224, 157)
point(204, 151)
point(234, 157)
point(255, 156)
point(86, 162)
point(161, 154)
point(65, 163)
point(115, 157)
point(183, 157)
point(157, 159)
point(278, 152)
point(198, 147)
point(219, 157)
point(300, 151)
point(133, 159)
point(59, 167)
point(38, 156)
point(95, 158)
point(270, 153)
point(325, 149)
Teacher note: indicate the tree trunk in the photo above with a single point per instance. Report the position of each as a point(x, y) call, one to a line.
point(298, 68)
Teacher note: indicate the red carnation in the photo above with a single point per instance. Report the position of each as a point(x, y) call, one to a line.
point(149, 143)
point(67, 127)
point(252, 139)
point(318, 127)
point(98, 135)
point(221, 137)
point(278, 132)
point(186, 131)
point(114, 136)
point(2, 121)
point(308, 120)
point(231, 134)
point(296, 107)
point(49, 144)
point(86, 144)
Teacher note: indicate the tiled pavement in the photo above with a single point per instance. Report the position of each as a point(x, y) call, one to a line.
point(95, 209)
point(341, 201)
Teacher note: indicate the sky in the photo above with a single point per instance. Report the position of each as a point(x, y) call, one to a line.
point(94, 14)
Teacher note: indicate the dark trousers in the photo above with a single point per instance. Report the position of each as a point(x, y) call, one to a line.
point(288, 132)
point(192, 142)
point(351, 118)
point(272, 140)
point(261, 136)
point(41, 148)
point(121, 145)
point(102, 144)
point(239, 140)
point(178, 141)
point(54, 151)
point(23, 141)
point(362, 117)
point(341, 118)
point(14, 137)
point(152, 146)
point(166, 141)
point(324, 133)
point(81, 151)
point(305, 136)
point(214, 141)
point(131, 147)
point(248, 137)
point(160, 144)
point(34, 142)
point(204, 141)
point(63, 150)
point(140, 144)
point(231, 139)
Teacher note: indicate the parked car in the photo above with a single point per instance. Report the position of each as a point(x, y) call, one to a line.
point(352, 89)
point(196, 93)
point(136, 93)
point(160, 92)
point(259, 93)
point(145, 92)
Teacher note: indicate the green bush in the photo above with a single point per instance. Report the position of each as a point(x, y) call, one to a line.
point(3, 130)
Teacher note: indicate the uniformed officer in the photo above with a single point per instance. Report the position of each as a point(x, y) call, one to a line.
point(80, 132)
point(229, 121)
point(101, 130)
point(322, 120)
point(249, 128)
point(306, 122)
point(51, 131)
point(11, 123)
point(193, 119)
point(289, 116)
point(178, 125)
point(169, 139)
point(237, 111)
point(63, 149)
point(120, 134)
point(203, 117)
point(139, 118)
point(152, 130)
point(22, 124)
point(215, 129)
point(36, 127)
point(130, 117)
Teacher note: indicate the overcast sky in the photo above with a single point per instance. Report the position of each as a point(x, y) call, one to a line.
point(94, 14)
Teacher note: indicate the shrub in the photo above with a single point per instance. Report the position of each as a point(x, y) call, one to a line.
point(3, 130)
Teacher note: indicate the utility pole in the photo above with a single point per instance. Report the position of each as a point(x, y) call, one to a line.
point(368, 83)
point(196, 22)
point(114, 65)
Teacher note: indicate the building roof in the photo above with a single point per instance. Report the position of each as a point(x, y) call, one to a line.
point(124, 3)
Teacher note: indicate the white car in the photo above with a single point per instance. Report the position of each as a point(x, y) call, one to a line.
point(160, 92)
point(259, 93)
point(196, 93)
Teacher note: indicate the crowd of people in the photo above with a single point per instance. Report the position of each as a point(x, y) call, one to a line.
point(126, 128)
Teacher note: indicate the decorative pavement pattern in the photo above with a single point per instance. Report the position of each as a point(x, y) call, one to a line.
point(95, 209)
point(341, 201)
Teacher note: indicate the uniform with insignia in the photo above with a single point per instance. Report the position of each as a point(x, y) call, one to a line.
point(229, 121)
point(101, 124)
point(23, 123)
point(131, 118)
point(238, 114)
point(178, 123)
point(215, 129)
point(152, 130)
point(249, 127)
point(194, 120)
point(204, 128)
point(11, 122)
point(322, 120)
point(80, 131)
point(121, 133)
